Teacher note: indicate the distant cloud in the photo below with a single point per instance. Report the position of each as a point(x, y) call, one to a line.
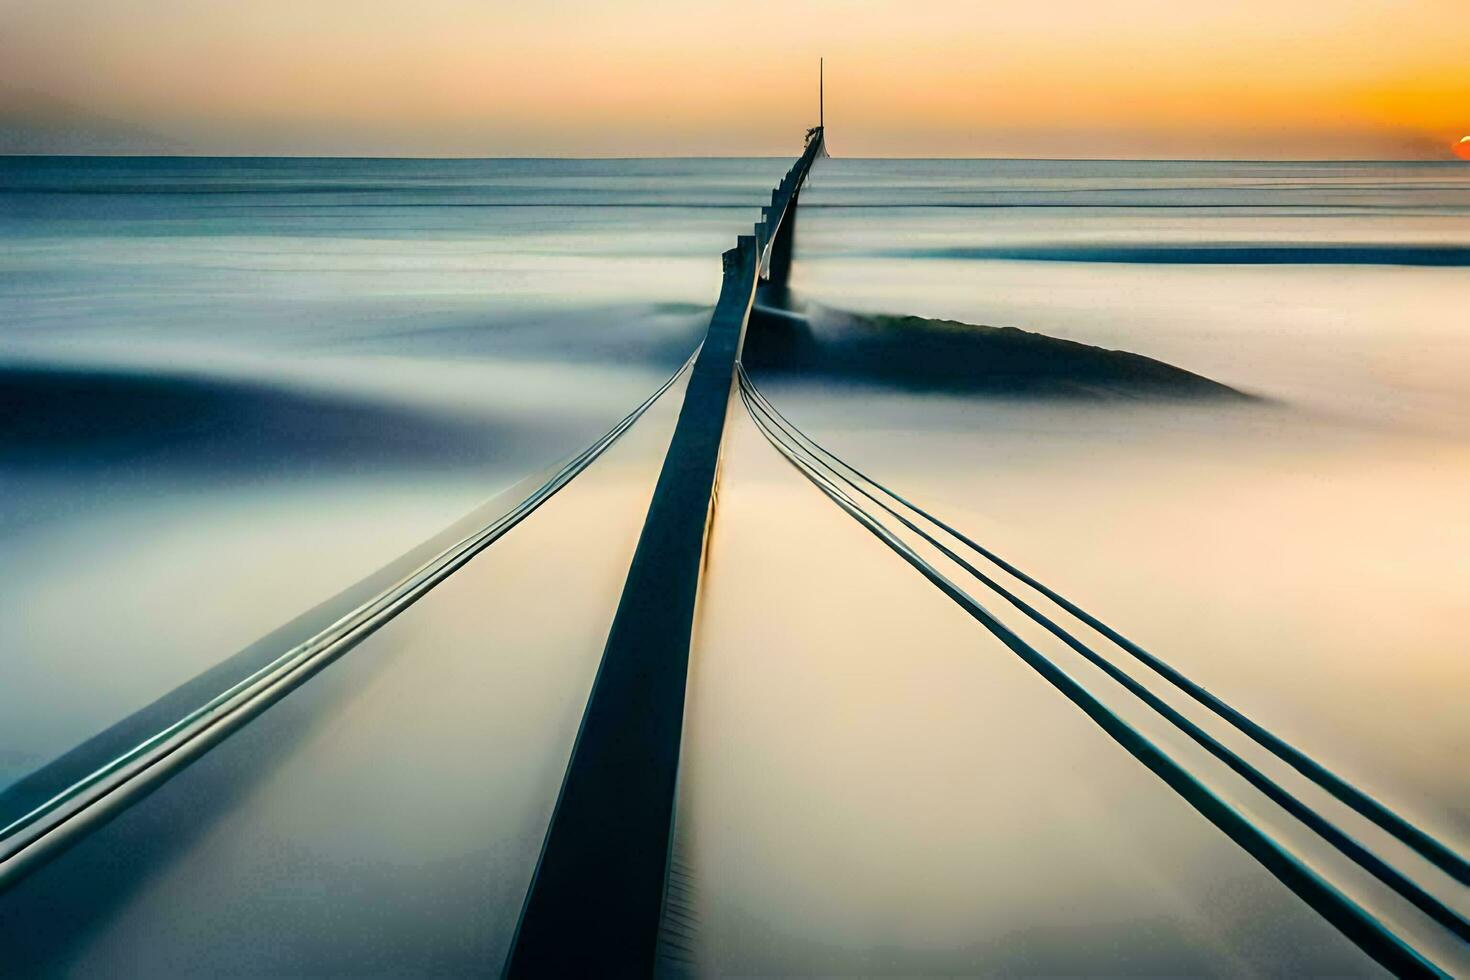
point(34, 123)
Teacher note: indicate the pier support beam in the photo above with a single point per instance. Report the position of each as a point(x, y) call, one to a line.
point(596, 899)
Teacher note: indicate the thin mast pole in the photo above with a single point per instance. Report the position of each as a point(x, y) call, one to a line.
point(821, 94)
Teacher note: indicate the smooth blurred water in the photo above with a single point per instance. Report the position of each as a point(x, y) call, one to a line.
point(335, 359)
point(386, 817)
point(873, 784)
point(1374, 340)
point(230, 388)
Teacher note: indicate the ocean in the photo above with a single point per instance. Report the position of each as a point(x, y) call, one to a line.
point(933, 806)
point(232, 388)
point(239, 386)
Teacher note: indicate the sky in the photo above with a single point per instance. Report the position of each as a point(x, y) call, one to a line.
point(908, 78)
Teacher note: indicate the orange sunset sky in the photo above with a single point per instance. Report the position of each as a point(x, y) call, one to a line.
point(1226, 78)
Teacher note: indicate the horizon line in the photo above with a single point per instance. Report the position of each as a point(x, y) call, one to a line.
point(709, 156)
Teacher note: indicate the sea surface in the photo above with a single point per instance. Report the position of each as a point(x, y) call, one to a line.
point(933, 805)
point(232, 388)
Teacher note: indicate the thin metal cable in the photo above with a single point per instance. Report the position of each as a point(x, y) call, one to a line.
point(270, 682)
point(1345, 843)
point(1355, 922)
point(1422, 842)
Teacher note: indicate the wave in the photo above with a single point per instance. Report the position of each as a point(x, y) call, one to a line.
point(82, 418)
point(945, 355)
point(1303, 253)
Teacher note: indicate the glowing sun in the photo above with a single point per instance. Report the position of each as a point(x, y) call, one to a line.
point(1462, 148)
